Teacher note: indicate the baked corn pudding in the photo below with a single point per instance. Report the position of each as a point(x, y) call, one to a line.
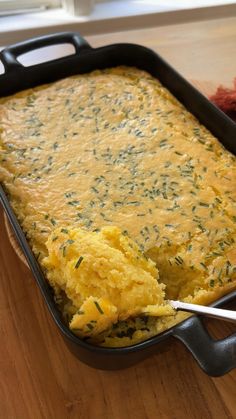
point(125, 198)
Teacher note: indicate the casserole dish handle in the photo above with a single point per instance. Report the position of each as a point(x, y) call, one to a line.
point(10, 54)
point(215, 357)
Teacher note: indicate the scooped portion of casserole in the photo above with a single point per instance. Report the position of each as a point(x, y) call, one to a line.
point(115, 148)
point(106, 277)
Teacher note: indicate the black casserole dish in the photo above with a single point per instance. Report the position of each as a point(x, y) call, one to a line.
point(215, 357)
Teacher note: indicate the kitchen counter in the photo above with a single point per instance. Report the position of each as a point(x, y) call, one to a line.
point(39, 377)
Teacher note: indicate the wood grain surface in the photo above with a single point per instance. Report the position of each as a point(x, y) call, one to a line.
point(40, 379)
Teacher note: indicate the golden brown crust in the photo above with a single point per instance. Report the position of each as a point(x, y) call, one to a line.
point(114, 147)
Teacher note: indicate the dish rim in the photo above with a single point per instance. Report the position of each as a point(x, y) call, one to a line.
point(12, 67)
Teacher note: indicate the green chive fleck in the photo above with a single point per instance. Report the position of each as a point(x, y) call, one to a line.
point(78, 262)
point(98, 307)
point(89, 326)
point(64, 230)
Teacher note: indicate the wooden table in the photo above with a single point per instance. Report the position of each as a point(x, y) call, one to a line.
point(39, 378)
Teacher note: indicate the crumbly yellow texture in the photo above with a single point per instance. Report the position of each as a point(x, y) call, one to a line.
point(115, 148)
point(105, 276)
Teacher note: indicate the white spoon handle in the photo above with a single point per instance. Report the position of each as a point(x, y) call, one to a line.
point(218, 313)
